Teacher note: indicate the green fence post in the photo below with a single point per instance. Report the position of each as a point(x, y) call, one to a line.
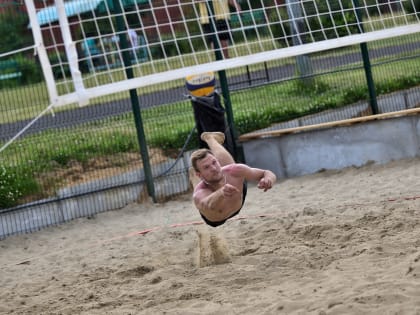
point(134, 101)
point(366, 63)
point(369, 78)
point(238, 156)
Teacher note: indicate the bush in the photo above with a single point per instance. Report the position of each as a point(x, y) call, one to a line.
point(15, 184)
point(412, 6)
point(322, 23)
point(14, 33)
point(31, 71)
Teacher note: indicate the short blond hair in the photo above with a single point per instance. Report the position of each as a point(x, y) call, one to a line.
point(198, 156)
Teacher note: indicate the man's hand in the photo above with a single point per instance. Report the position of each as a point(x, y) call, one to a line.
point(229, 190)
point(267, 181)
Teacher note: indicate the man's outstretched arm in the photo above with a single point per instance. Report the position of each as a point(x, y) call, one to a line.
point(264, 178)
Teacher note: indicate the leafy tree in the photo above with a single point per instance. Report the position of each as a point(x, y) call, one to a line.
point(14, 32)
point(412, 6)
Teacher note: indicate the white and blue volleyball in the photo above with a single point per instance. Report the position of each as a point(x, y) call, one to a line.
point(202, 84)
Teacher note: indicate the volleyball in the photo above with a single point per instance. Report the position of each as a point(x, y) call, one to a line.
point(202, 84)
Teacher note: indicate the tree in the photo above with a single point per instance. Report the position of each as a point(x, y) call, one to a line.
point(14, 31)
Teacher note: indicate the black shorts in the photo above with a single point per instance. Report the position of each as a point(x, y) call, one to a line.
point(222, 31)
point(217, 223)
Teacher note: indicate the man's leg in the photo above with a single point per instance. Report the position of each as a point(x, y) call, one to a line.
point(215, 142)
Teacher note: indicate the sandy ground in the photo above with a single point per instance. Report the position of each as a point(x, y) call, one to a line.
point(335, 242)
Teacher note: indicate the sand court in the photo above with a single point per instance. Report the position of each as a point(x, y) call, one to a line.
point(335, 242)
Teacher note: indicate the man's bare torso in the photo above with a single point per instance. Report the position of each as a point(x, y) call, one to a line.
point(231, 204)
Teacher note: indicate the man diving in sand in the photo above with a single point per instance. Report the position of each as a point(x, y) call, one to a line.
point(220, 184)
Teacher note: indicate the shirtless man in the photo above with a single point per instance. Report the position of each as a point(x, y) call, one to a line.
point(220, 189)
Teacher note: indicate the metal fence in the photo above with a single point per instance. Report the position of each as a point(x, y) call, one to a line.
point(79, 161)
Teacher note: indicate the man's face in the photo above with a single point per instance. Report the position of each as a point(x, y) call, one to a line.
point(209, 169)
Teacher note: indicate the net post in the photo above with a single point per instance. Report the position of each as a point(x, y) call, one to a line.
point(41, 51)
point(135, 102)
point(71, 53)
point(303, 62)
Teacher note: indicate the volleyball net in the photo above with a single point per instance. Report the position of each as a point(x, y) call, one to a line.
point(101, 47)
